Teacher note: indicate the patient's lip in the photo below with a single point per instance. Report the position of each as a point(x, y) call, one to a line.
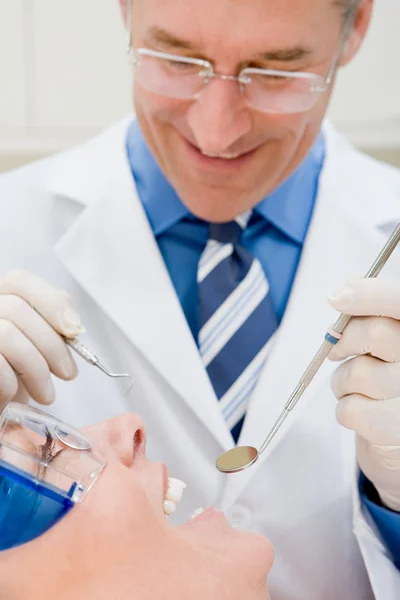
point(206, 515)
point(165, 479)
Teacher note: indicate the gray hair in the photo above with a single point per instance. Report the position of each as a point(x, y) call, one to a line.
point(348, 7)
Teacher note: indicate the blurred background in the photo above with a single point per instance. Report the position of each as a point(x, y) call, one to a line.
point(64, 76)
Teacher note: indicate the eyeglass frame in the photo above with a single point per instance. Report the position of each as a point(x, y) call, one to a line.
point(211, 73)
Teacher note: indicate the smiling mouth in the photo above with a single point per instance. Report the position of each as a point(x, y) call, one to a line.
point(228, 156)
point(223, 156)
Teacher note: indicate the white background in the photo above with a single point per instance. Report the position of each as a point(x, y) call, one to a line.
point(64, 75)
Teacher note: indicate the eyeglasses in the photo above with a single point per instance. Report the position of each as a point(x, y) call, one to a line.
point(266, 90)
point(46, 466)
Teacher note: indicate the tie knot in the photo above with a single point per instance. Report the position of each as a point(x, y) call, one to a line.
point(225, 233)
point(229, 233)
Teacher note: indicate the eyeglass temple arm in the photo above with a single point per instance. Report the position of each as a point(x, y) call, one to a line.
point(129, 23)
point(347, 27)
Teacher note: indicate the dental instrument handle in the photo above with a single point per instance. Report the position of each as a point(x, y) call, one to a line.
point(92, 359)
point(330, 340)
point(80, 349)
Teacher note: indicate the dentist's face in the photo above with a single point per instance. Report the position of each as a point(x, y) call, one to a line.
point(232, 34)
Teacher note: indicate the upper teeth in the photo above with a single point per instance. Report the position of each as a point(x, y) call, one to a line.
point(173, 496)
point(226, 156)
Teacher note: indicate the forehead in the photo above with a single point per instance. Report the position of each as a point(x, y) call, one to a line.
point(210, 25)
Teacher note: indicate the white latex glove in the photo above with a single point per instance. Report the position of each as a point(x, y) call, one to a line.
point(368, 385)
point(32, 315)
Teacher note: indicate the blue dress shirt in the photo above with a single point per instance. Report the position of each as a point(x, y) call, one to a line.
point(275, 235)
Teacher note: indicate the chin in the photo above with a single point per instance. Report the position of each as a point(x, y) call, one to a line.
point(216, 208)
point(215, 202)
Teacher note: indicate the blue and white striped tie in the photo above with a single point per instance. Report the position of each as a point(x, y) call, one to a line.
point(236, 318)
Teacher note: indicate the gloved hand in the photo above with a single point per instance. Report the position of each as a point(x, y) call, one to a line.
point(33, 314)
point(368, 385)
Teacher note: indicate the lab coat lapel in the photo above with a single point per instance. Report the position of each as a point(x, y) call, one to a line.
point(340, 244)
point(111, 251)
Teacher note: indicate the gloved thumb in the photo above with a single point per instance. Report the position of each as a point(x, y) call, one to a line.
point(367, 297)
point(55, 306)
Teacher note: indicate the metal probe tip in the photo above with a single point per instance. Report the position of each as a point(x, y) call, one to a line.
point(92, 359)
point(107, 372)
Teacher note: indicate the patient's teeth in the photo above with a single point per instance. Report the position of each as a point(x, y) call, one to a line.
point(169, 507)
point(173, 495)
point(196, 513)
point(175, 490)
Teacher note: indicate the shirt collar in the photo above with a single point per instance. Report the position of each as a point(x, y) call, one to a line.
point(160, 201)
point(288, 208)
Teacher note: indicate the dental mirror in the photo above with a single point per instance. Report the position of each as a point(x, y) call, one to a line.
point(237, 459)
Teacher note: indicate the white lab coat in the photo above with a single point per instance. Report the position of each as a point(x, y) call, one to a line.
point(76, 220)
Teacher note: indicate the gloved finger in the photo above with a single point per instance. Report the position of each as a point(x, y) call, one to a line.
point(372, 457)
point(11, 386)
point(368, 376)
point(8, 382)
point(378, 336)
point(49, 343)
point(22, 395)
point(367, 297)
point(377, 421)
point(381, 465)
point(54, 305)
point(27, 362)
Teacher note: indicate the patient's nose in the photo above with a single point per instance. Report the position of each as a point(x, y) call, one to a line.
point(122, 438)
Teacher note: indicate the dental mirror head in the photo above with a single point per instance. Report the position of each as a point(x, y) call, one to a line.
point(237, 459)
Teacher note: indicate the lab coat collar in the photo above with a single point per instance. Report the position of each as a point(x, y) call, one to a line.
point(82, 173)
point(111, 252)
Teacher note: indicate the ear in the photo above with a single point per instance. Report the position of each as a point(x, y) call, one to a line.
point(358, 32)
point(123, 8)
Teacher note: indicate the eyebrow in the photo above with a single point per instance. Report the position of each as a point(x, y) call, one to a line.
point(157, 34)
point(166, 39)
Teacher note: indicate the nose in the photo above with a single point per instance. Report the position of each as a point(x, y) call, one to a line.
point(219, 117)
point(122, 438)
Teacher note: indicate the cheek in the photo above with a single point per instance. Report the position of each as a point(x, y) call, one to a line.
point(296, 133)
point(118, 503)
point(158, 110)
point(291, 126)
point(281, 133)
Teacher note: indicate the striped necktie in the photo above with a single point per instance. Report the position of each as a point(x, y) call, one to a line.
point(236, 318)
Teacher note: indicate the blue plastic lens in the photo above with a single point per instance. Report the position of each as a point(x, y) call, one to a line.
point(28, 507)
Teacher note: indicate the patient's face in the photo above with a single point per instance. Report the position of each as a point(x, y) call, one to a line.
point(120, 536)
